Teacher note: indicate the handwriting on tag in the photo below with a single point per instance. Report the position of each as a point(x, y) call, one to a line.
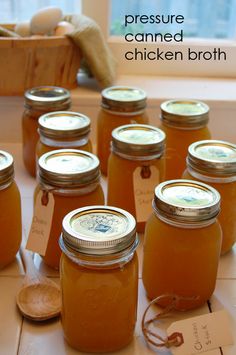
point(41, 223)
point(202, 333)
point(145, 179)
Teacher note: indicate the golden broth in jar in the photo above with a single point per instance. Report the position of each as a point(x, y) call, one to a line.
point(184, 122)
point(182, 243)
point(120, 105)
point(63, 130)
point(214, 162)
point(38, 101)
point(99, 278)
point(10, 207)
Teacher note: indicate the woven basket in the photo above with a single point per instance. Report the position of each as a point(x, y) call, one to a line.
point(30, 62)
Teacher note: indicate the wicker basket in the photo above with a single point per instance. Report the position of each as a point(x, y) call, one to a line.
point(30, 62)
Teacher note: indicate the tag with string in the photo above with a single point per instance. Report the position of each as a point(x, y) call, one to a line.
point(41, 223)
point(145, 179)
point(190, 336)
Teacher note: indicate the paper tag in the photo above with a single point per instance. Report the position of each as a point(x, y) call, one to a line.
point(41, 223)
point(202, 333)
point(145, 179)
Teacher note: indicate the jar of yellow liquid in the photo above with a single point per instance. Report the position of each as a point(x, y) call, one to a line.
point(68, 179)
point(182, 243)
point(39, 101)
point(120, 105)
point(10, 207)
point(135, 168)
point(63, 130)
point(99, 278)
point(214, 162)
point(184, 122)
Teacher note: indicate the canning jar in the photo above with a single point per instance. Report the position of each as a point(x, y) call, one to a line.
point(38, 101)
point(10, 207)
point(182, 243)
point(62, 130)
point(99, 278)
point(184, 122)
point(120, 105)
point(214, 162)
point(71, 179)
point(135, 168)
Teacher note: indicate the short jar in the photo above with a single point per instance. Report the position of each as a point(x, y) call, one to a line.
point(63, 130)
point(182, 243)
point(99, 278)
point(120, 105)
point(184, 122)
point(71, 178)
point(214, 162)
point(10, 207)
point(39, 100)
point(135, 167)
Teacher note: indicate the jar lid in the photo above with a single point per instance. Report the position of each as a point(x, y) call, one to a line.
point(6, 168)
point(68, 168)
point(50, 97)
point(99, 230)
point(124, 99)
point(64, 124)
point(185, 113)
point(213, 157)
point(138, 140)
point(186, 201)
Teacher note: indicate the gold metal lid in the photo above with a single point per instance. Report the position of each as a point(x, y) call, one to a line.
point(52, 98)
point(64, 124)
point(6, 168)
point(68, 168)
point(186, 201)
point(213, 157)
point(124, 99)
point(185, 113)
point(99, 230)
point(138, 140)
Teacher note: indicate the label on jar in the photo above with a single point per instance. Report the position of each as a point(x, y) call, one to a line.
point(145, 179)
point(202, 334)
point(41, 223)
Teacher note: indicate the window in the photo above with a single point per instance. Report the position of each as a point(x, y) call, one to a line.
point(223, 38)
point(13, 11)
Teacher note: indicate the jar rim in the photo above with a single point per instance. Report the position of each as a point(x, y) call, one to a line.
point(6, 168)
point(47, 96)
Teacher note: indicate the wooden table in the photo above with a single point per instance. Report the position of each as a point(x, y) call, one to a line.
point(19, 336)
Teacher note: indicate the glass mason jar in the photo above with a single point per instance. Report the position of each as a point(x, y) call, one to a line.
point(214, 162)
point(62, 130)
point(120, 105)
point(10, 206)
point(184, 122)
point(72, 178)
point(182, 243)
point(135, 168)
point(99, 278)
point(38, 101)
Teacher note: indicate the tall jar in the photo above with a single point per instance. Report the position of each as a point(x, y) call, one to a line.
point(182, 243)
point(99, 278)
point(120, 105)
point(68, 179)
point(184, 122)
point(10, 207)
point(38, 101)
point(214, 162)
point(62, 130)
point(135, 168)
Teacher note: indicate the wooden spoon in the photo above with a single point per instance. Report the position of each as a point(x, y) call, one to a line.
point(39, 297)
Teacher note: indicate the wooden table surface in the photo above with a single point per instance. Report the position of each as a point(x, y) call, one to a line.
point(19, 336)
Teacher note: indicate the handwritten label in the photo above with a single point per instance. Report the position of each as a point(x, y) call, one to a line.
point(41, 223)
point(202, 333)
point(145, 179)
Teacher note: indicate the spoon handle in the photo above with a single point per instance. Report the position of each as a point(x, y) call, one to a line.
point(27, 258)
